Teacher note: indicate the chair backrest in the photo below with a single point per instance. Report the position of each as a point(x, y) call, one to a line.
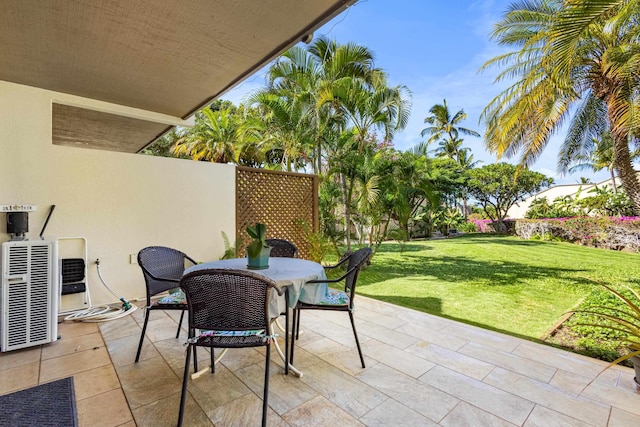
point(282, 248)
point(228, 300)
point(356, 261)
point(162, 268)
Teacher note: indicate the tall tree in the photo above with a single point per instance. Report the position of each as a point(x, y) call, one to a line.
point(499, 186)
point(567, 51)
point(444, 125)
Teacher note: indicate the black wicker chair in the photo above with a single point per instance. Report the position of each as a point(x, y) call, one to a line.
point(282, 248)
point(162, 268)
point(230, 308)
point(337, 300)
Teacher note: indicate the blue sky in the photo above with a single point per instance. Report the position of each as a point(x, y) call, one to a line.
point(435, 48)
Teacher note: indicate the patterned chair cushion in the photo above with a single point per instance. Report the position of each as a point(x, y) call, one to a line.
point(335, 297)
point(173, 299)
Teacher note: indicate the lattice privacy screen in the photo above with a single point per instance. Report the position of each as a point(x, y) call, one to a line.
point(280, 200)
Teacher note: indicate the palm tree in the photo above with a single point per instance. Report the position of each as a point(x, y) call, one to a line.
point(565, 52)
point(214, 138)
point(305, 75)
point(444, 124)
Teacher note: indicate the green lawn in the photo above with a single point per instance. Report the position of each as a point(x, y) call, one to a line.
point(502, 283)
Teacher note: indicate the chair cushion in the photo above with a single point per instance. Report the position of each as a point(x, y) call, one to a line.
point(335, 297)
point(175, 298)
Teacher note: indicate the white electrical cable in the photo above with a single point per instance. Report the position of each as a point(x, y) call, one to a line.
point(103, 313)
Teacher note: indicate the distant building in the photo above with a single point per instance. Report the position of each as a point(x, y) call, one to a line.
point(519, 210)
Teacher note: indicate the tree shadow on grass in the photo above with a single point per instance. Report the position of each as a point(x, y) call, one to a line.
point(432, 305)
point(461, 269)
point(500, 239)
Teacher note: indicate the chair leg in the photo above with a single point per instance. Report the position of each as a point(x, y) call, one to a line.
point(180, 324)
point(265, 398)
point(185, 378)
point(355, 334)
point(213, 360)
point(195, 355)
point(144, 330)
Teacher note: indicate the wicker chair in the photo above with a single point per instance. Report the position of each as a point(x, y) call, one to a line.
point(282, 248)
point(337, 300)
point(230, 308)
point(162, 269)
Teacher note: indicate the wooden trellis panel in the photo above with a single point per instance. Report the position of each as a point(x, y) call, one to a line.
point(280, 200)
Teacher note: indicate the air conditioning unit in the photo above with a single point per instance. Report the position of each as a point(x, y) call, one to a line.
point(29, 295)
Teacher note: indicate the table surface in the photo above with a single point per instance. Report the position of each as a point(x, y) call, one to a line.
point(290, 273)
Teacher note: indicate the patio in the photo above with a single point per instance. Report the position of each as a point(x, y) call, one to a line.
point(421, 370)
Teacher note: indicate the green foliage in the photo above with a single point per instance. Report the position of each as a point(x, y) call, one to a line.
point(318, 243)
point(499, 186)
point(259, 235)
point(608, 323)
point(230, 251)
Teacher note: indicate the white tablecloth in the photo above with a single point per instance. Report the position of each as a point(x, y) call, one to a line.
point(291, 273)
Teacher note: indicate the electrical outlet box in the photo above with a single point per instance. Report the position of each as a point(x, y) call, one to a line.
point(133, 259)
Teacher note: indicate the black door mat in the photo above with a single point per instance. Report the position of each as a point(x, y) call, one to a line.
point(51, 404)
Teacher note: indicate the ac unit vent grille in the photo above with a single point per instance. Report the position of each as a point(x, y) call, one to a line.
point(29, 294)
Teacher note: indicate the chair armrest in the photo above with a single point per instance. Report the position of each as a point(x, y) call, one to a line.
point(329, 267)
point(341, 278)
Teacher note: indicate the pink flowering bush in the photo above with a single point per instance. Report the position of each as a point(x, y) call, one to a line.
point(618, 233)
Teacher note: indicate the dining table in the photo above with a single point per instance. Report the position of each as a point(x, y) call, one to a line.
point(290, 275)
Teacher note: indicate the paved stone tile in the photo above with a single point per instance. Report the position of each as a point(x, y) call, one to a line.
point(320, 412)
point(378, 318)
point(389, 336)
point(69, 329)
point(212, 391)
point(560, 359)
point(123, 327)
point(244, 411)
point(465, 414)
point(583, 409)
point(19, 377)
point(123, 350)
point(453, 360)
point(620, 418)
point(147, 381)
point(509, 361)
point(545, 417)
point(70, 364)
point(95, 411)
point(481, 336)
point(411, 392)
point(348, 361)
point(95, 381)
point(626, 399)
point(350, 394)
point(484, 396)
point(72, 345)
point(574, 384)
point(20, 357)
point(392, 413)
point(403, 361)
point(164, 413)
point(429, 335)
point(285, 391)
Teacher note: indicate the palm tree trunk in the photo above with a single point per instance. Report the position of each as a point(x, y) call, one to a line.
point(628, 176)
point(613, 180)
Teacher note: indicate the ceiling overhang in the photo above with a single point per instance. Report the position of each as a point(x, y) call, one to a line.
point(169, 57)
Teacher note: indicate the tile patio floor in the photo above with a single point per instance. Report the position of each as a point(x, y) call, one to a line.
point(421, 370)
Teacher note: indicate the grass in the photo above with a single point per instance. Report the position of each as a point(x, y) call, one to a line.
point(502, 283)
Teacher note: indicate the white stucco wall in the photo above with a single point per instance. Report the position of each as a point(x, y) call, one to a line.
point(119, 202)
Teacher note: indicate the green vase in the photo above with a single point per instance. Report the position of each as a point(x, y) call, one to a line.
point(260, 262)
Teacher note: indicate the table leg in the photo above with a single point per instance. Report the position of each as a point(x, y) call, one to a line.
point(293, 369)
